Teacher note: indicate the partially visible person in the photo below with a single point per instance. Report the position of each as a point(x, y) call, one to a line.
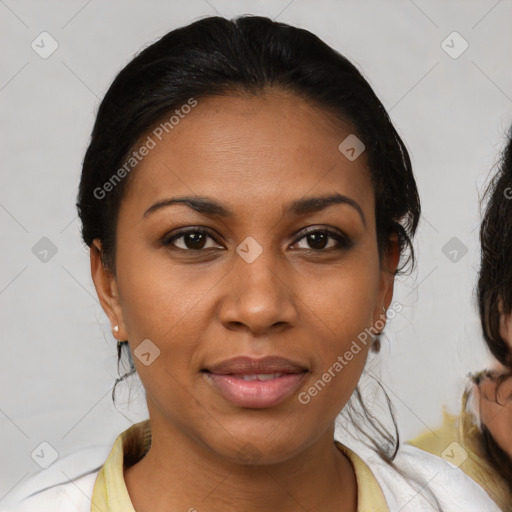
point(484, 427)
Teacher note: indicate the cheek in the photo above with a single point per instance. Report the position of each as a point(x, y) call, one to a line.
point(345, 302)
point(344, 311)
point(166, 307)
point(158, 297)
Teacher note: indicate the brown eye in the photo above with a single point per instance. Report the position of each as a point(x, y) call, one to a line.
point(192, 240)
point(318, 240)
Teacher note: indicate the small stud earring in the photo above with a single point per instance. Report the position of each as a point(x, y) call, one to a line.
point(116, 328)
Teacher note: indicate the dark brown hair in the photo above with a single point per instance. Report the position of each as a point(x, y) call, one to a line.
point(494, 287)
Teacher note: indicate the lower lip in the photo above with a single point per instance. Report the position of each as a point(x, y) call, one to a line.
point(256, 393)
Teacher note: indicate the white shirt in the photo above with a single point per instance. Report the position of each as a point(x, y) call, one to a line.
point(427, 478)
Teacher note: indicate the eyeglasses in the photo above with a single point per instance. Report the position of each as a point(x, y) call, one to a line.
point(494, 386)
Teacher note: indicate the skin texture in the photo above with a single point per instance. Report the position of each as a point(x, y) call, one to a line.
point(255, 155)
point(498, 416)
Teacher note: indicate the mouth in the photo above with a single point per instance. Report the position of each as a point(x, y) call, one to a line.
point(256, 383)
point(258, 376)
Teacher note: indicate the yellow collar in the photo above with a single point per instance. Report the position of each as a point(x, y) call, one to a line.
point(111, 495)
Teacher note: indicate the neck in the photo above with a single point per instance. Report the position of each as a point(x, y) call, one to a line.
point(178, 473)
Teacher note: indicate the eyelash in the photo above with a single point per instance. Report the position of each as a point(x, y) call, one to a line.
point(344, 242)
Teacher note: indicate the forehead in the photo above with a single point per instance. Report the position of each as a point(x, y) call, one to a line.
point(246, 151)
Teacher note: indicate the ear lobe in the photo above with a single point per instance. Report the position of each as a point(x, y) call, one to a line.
point(389, 266)
point(105, 284)
point(393, 253)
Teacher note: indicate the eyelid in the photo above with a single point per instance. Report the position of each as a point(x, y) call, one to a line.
point(326, 229)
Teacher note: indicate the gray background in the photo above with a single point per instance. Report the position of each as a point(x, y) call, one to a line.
point(58, 361)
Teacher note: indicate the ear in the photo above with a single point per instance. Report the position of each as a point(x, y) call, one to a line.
point(388, 265)
point(106, 289)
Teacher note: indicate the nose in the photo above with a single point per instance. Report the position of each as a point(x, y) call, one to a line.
point(259, 296)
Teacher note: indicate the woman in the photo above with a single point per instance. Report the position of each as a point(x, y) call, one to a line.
point(484, 428)
point(248, 203)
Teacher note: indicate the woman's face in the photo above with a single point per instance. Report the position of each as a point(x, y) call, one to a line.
point(265, 279)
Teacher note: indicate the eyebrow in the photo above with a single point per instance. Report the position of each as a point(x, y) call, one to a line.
point(298, 207)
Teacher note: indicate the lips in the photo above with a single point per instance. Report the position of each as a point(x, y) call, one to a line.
point(256, 383)
point(248, 365)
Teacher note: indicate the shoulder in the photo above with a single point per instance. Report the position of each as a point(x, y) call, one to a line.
point(65, 486)
point(421, 481)
point(71, 496)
